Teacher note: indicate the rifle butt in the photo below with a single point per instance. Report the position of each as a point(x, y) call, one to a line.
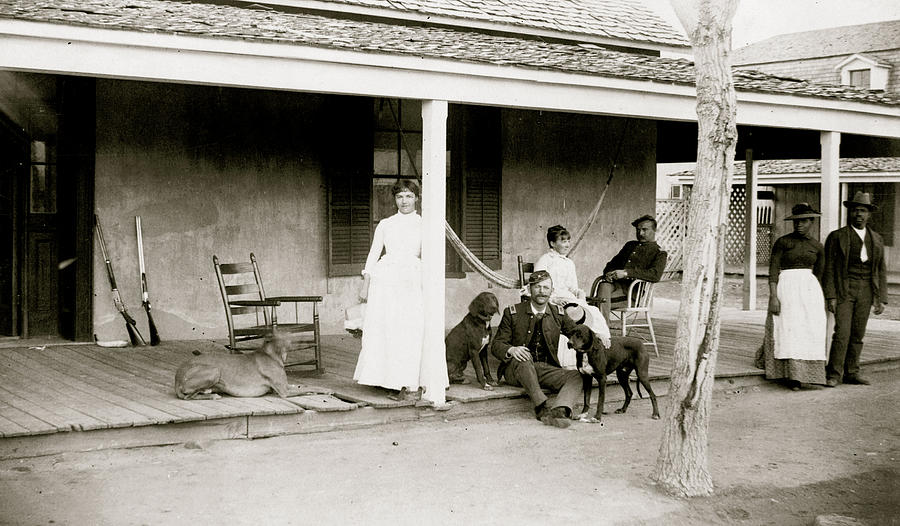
point(154, 334)
point(134, 335)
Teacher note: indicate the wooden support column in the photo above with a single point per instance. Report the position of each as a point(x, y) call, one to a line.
point(750, 232)
point(831, 186)
point(434, 195)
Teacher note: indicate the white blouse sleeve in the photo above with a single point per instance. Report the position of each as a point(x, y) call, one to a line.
point(377, 247)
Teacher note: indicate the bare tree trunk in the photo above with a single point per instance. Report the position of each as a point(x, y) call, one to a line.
point(681, 467)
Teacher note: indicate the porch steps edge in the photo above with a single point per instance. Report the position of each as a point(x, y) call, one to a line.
point(307, 421)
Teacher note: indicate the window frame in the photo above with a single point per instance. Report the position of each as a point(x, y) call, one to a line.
point(866, 74)
point(471, 158)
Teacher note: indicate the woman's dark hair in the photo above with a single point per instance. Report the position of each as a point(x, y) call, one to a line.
point(403, 185)
point(554, 233)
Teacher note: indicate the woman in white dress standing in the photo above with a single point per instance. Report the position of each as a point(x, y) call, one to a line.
point(393, 329)
point(793, 349)
point(566, 290)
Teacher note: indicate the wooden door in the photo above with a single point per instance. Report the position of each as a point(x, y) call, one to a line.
point(41, 255)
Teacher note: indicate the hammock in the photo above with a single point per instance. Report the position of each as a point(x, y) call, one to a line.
point(476, 264)
point(469, 257)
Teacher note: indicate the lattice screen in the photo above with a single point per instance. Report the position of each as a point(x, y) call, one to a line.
point(734, 236)
point(671, 218)
point(764, 243)
point(671, 214)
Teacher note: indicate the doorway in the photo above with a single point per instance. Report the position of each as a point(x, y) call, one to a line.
point(13, 166)
point(46, 204)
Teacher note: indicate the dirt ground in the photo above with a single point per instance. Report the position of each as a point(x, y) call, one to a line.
point(777, 457)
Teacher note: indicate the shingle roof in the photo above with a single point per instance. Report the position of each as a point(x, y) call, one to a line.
point(619, 19)
point(835, 41)
point(871, 165)
point(217, 21)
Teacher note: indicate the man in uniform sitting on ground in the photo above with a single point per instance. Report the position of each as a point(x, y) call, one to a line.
point(527, 342)
point(640, 259)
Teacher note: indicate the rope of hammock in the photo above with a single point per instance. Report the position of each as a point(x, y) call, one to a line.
point(476, 264)
point(596, 211)
point(468, 256)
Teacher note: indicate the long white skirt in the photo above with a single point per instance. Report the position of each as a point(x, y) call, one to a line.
point(394, 326)
point(799, 330)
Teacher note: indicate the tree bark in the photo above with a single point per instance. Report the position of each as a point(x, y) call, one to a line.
point(681, 466)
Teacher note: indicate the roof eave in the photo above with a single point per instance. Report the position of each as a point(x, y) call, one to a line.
point(109, 53)
point(777, 60)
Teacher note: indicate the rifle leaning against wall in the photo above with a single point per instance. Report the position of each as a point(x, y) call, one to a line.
point(145, 295)
point(130, 324)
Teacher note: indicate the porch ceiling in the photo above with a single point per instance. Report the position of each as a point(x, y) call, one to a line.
point(159, 40)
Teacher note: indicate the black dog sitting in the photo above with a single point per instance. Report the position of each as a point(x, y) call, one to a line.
point(624, 355)
point(469, 341)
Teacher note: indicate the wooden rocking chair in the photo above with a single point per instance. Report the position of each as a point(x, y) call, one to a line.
point(252, 315)
point(525, 269)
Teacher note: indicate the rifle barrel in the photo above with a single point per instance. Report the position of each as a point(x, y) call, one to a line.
point(140, 244)
point(130, 324)
point(145, 293)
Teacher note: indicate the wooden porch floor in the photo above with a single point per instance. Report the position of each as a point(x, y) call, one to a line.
point(65, 388)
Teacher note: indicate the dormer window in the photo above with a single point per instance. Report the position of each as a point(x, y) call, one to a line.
point(862, 71)
point(861, 78)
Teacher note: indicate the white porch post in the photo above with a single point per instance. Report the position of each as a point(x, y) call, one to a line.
point(434, 196)
point(750, 234)
point(831, 187)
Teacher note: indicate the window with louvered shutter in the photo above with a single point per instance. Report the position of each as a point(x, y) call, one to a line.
point(861, 78)
point(347, 164)
point(350, 223)
point(373, 152)
point(482, 219)
point(481, 229)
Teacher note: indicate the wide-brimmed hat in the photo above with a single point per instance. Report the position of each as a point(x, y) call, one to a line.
point(861, 199)
point(579, 314)
point(646, 217)
point(802, 211)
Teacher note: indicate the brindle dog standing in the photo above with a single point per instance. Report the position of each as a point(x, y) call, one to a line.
point(245, 375)
point(624, 355)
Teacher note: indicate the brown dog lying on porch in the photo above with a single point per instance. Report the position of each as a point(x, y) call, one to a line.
point(469, 341)
point(245, 375)
point(623, 355)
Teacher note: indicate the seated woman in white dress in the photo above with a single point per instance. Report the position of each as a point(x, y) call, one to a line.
point(565, 284)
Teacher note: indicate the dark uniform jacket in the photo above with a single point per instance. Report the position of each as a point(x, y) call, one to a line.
point(837, 262)
point(517, 326)
point(644, 261)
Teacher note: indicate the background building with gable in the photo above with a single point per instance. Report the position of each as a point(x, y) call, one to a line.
point(865, 55)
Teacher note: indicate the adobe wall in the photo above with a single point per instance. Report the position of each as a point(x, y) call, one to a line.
point(210, 171)
point(227, 172)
